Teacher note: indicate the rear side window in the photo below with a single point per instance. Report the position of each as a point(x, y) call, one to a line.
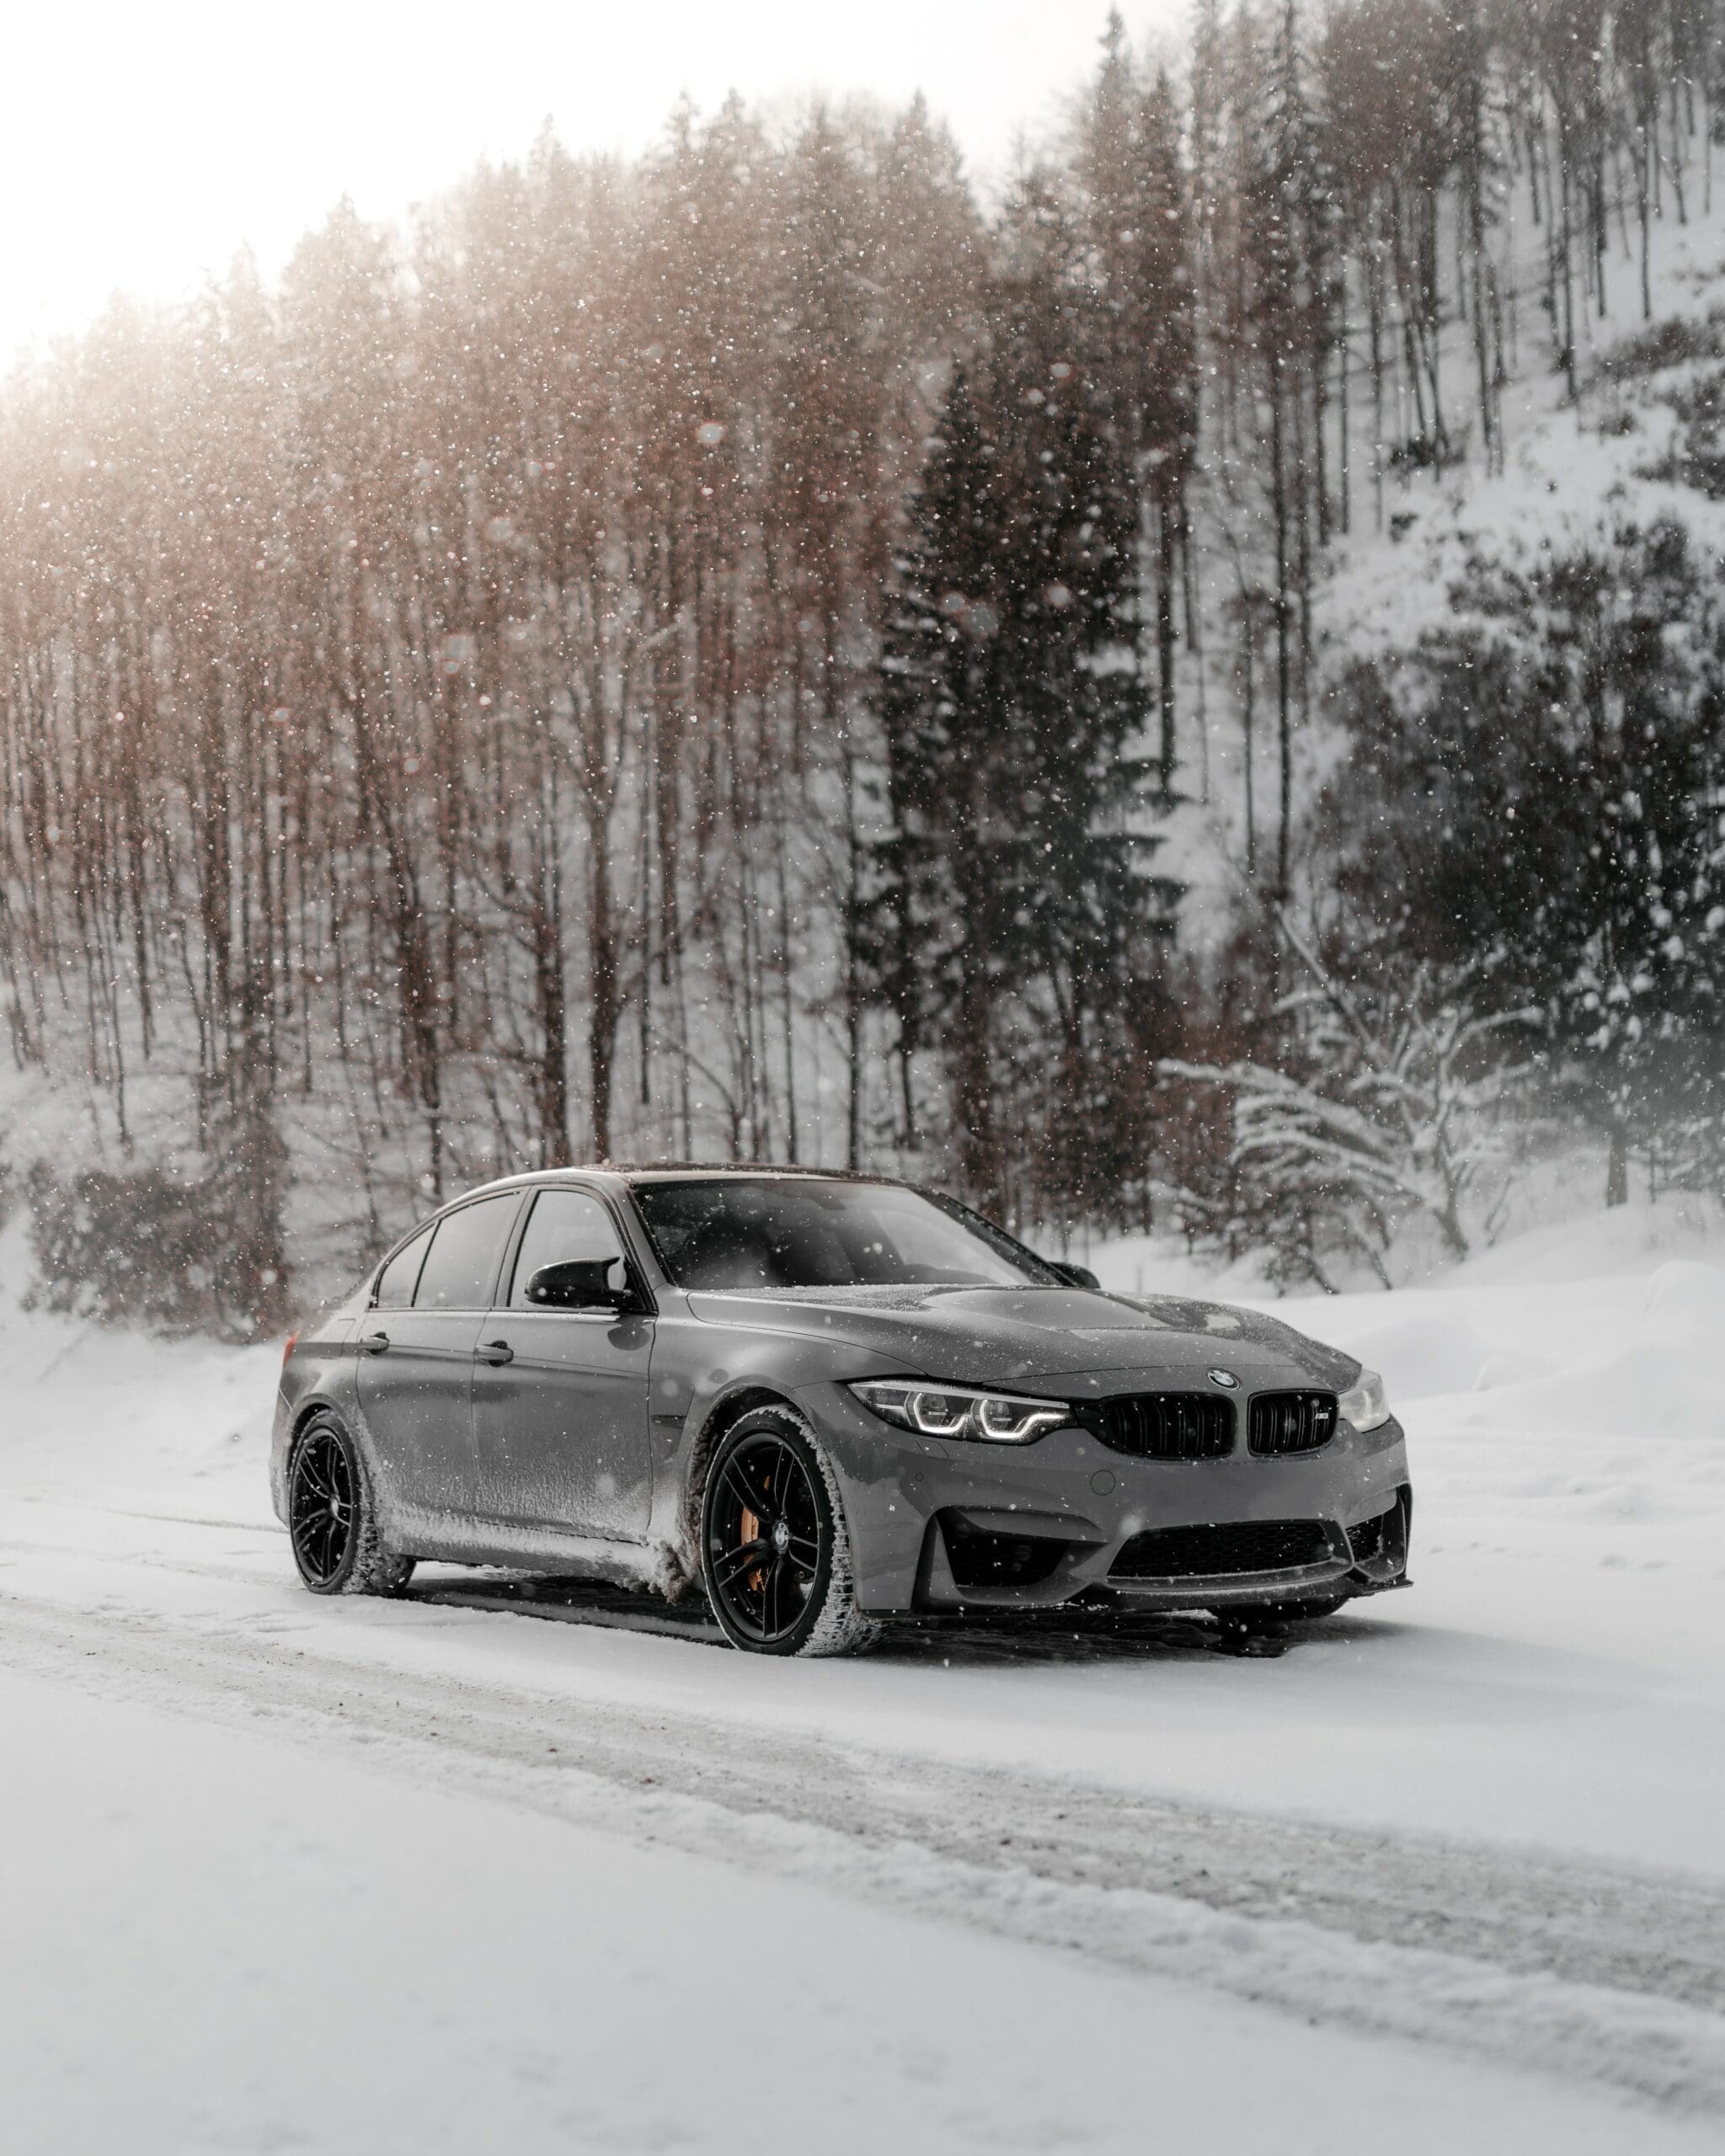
point(460, 1267)
point(568, 1226)
point(401, 1276)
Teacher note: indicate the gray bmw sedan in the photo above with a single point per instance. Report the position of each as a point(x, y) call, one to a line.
point(828, 1401)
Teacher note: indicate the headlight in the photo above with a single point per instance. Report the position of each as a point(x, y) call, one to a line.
point(953, 1411)
point(1365, 1404)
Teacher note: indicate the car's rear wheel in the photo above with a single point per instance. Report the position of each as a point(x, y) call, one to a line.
point(331, 1520)
point(775, 1550)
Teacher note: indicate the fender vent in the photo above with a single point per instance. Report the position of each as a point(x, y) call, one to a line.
point(1383, 1540)
point(1164, 1425)
point(1284, 1422)
point(1368, 1537)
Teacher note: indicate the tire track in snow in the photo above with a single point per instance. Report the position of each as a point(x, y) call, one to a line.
point(1570, 1968)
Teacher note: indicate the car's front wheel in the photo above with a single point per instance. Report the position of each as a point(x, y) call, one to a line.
point(331, 1518)
point(775, 1550)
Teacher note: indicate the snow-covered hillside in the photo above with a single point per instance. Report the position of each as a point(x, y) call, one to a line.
point(1471, 1830)
point(1572, 473)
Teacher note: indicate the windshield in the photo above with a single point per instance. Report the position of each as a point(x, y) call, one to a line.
point(758, 1233)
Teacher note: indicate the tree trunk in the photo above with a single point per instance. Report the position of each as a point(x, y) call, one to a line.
point(1167, 535)
point(1617, 1168)
point(1284, 653)
point(605, 1002)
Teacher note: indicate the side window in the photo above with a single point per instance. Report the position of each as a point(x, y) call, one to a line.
point(466, 1251)
point(401, 1276)
point(567, 1227)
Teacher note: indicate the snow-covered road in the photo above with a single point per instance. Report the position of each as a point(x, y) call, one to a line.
point(259, 1943)
point(1462, 1848)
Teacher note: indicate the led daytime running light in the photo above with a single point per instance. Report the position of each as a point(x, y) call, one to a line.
point(957, 1411)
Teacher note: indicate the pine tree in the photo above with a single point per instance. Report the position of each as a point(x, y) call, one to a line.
point(1139, 266)
point(1279, 258)
point(1013, 879)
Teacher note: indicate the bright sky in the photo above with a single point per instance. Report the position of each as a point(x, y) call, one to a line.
point(144, 143)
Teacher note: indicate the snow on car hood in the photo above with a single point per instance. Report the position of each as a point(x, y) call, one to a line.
point(1018, 1335)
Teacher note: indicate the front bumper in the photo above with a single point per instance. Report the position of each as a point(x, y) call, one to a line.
point(937, 1526)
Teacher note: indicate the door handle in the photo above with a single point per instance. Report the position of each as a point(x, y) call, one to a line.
point(376, 1343)
point(494, 1352)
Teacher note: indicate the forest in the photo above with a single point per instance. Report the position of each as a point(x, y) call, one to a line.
point(770, 651)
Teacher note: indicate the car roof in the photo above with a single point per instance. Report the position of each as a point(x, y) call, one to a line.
point(708, 1170)
point(630, 1174)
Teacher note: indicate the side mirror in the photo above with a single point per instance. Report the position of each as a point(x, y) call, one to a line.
point(582, 1283)
point(1075, 1276)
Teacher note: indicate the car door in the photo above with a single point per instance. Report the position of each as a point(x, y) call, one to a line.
point(416, 1354)
point(560, 1426)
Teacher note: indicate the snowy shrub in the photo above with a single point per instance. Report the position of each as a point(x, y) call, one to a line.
point(149, 1246)
point(1698, 456)
point(1673, 342)
point(1378, 1116)
point(1533, 803)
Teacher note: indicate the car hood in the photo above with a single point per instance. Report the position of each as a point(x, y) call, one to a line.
point(1027, 1336)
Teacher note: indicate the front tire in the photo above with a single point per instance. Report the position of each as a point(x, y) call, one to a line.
point(332, 1520)
point(775, 1550)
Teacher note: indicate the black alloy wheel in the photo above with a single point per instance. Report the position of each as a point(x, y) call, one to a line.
point(330, 1518)
point(769, 1553)
point(323, 1514)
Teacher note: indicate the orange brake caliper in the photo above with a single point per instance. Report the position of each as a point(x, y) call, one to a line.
point(751, 1533)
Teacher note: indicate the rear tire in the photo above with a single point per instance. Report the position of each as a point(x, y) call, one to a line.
point(332, 1517)
point(775, 1550)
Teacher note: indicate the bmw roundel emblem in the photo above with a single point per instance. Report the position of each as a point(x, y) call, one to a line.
point(1224, 1378)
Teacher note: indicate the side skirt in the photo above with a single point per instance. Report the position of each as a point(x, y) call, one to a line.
point(440, 1539)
